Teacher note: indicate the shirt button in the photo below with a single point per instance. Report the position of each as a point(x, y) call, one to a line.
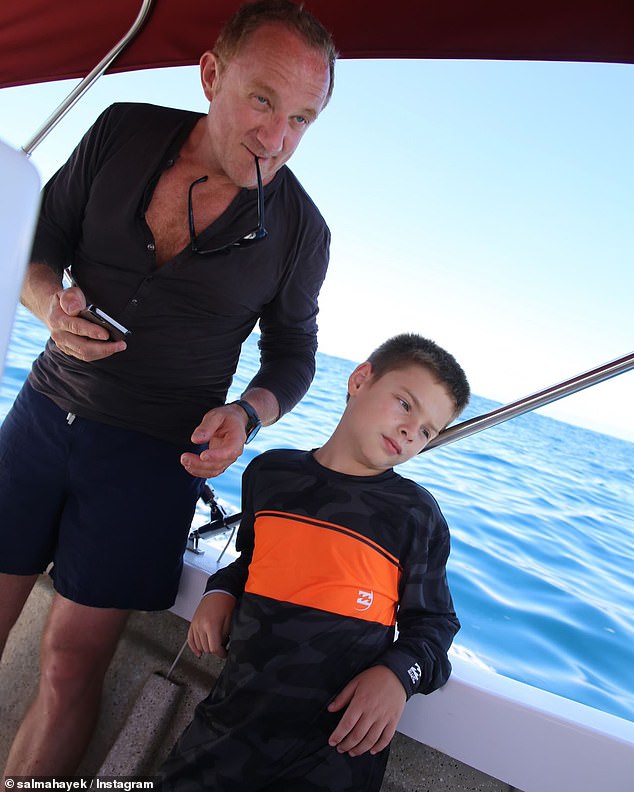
point(134, 301)
point(151, 246)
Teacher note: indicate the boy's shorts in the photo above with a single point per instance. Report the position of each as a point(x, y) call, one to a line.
point(110, 507)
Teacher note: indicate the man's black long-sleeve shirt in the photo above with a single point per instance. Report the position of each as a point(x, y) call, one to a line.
point(190, 316)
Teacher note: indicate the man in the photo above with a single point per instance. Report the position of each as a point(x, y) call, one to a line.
point(158, 215)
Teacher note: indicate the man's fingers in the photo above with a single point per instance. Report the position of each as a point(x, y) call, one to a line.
point(197, 467)
point(212, 461)
point(85, 348)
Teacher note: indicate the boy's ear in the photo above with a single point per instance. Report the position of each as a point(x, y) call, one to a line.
point(359, 377)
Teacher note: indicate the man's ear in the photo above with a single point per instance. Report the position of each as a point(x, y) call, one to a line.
point(210, 68)
point(359, 377)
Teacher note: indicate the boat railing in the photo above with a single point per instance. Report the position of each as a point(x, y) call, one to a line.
point(532, 402)
point(81, 88)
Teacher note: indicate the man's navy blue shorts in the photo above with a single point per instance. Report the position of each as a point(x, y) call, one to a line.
point(110, 507)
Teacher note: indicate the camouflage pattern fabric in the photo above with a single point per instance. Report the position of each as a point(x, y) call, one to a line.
point(329, 563)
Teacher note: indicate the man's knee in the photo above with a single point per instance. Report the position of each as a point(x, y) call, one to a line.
point(77, 646)
point(70, 669)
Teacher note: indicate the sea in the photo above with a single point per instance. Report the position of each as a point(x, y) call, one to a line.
point(542, 521)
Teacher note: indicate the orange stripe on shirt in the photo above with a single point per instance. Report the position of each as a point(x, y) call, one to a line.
point(323, 565)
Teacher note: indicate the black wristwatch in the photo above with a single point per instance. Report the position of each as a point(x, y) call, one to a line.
point(253, 419)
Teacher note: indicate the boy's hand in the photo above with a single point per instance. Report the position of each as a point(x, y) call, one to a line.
point(374, 701)
point(211, 624)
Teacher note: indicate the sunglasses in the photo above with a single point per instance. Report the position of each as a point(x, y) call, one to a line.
point(243, 240)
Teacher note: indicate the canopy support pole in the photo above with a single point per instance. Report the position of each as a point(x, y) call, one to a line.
point(501, 414)
point(87, 82)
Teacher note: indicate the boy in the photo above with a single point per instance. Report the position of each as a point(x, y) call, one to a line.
point(334, 546)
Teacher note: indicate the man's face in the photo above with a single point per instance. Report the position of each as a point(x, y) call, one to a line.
point(391, 419)
point(262, 101)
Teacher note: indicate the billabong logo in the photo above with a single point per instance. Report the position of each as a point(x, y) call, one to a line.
point(364, 600)
point(415, 673)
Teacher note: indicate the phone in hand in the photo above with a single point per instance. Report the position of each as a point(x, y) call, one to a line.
point(117, 331)
point(92, 313)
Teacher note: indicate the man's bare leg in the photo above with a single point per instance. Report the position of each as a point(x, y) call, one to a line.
point(77, 646)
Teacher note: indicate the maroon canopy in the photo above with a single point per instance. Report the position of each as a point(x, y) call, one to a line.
point(53, 39)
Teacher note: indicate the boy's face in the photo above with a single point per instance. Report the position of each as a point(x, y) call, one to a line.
point(391, 419)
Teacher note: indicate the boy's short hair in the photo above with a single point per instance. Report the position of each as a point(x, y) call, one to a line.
point(251, 16)
point(409, 348)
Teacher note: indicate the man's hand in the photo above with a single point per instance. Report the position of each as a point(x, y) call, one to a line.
point(76, 336)
point(211, 624)
point(374, 701)
point(58, 308)
point(224, 429)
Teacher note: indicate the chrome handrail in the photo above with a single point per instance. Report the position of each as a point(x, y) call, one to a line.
point(528, 403)
point(88, 80)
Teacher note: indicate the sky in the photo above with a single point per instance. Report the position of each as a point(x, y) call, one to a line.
point(486, 205)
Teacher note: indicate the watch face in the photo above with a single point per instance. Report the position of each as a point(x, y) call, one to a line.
point(252, 431)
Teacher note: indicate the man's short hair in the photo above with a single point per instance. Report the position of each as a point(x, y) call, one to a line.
point(409, 348)
point(251, 16)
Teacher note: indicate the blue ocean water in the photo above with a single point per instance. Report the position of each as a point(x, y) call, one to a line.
point(542, 520)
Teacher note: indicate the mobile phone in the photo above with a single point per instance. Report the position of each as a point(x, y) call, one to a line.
point(117, 331)
point(95, 315)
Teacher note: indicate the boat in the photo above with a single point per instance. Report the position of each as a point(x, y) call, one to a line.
point(529, 739)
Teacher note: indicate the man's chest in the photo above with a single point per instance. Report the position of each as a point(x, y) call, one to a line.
point(180, 208)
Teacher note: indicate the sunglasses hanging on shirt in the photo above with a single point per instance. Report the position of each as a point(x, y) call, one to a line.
point(256, 235)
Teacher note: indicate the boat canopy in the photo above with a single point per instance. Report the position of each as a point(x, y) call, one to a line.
point(42, 40)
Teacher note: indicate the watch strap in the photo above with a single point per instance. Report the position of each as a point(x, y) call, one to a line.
point(253, 419)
